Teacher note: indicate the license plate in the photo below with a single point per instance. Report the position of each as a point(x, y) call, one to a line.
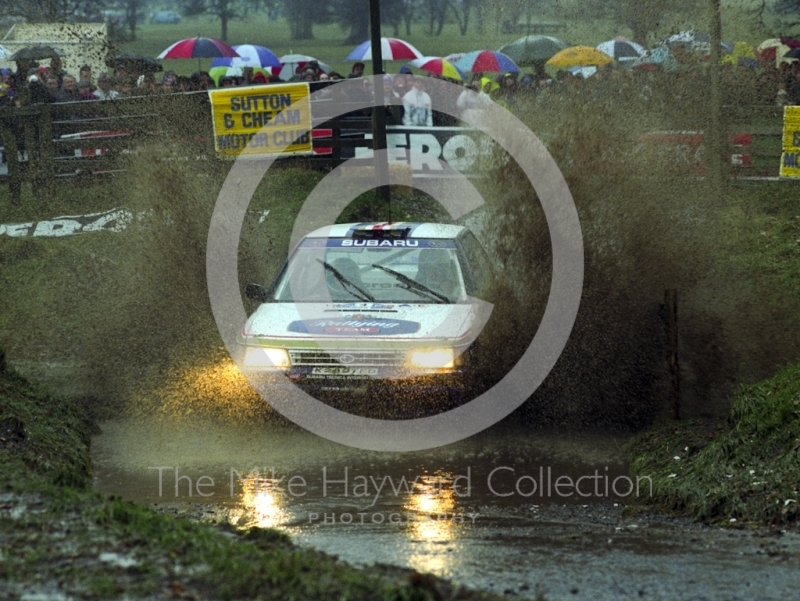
point(345, 371)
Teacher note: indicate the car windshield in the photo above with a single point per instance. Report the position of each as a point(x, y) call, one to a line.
point(383, 271)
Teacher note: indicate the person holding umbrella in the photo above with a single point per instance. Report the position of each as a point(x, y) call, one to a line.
point(358, 71)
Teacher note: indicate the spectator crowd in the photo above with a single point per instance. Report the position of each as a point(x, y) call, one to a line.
point(420, 100)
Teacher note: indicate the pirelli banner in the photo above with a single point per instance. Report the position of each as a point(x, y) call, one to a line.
point(272, 119)
point(790, 158)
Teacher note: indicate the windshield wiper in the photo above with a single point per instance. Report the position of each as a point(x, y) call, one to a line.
point(413, 285)
point(362, 295)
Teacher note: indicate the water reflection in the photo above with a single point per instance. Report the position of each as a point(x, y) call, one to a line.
point(260, 505)
point(433, 505)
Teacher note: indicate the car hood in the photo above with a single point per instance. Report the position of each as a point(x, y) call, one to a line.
point(363, 324)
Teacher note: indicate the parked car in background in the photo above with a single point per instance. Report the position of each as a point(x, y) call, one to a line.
point(165, 17)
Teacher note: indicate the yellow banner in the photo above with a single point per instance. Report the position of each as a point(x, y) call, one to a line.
point(790, 159)
point(262, 120)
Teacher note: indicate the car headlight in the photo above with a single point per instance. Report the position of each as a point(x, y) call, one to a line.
point(439, 358)
point(263, 356)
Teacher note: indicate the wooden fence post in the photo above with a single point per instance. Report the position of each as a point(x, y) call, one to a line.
point(14, 170)
point(671, 305)
point(46, 171)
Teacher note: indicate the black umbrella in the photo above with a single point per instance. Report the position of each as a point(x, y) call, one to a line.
point(36, 53)
point(135, 63)
point(793, 53)
point(533, 49)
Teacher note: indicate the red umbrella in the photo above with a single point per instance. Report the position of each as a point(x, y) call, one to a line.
point(198, 48)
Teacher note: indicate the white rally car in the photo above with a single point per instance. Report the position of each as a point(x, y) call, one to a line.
point(359, 307)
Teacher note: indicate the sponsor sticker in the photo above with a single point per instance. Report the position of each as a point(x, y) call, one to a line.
point(354, 326)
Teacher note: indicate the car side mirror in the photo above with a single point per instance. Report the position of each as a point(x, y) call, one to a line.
point(256, 292)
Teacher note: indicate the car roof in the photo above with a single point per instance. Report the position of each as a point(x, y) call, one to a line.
point(415, 230)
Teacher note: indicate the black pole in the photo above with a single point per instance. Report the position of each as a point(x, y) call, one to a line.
point(378, 112)
point(717, 141)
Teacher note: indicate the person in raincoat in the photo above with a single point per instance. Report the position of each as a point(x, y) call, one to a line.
point(417, 106)
point(491, 88)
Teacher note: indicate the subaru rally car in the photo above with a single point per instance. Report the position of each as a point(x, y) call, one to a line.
point(359, 307)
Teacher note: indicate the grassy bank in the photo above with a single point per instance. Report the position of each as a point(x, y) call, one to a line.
point(59, 536)
point(746, 469)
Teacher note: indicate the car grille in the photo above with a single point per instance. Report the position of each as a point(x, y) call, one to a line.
point(347, 358)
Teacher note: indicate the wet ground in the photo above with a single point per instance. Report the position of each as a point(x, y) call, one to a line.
point(510, 510)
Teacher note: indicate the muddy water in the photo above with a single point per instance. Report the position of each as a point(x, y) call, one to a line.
point(486, 512)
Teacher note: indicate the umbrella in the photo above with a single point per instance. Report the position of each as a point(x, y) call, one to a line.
point(438, 66)
point(741, 55)
point(580, 56)
point(482, 61)
point(135, 63)
point(291, 62)
point(4, 53)
point(533, 49)
point(658, 56)
point(793, 53)
point(622, 49)
point(221, 71)
point(249, 56)
point(791, 42)
point(198, 48)
point(768, 50)
point(392, 49)
point(36, 53)
point(691, 40)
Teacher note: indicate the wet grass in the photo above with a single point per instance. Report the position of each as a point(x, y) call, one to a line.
point(743, 471)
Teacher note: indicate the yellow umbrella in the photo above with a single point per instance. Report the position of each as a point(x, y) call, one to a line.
point(741, 50)
point(580, 56)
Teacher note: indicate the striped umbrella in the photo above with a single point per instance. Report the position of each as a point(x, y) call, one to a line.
point(392, 49)
point(485, 61)
point(198, 48)
point(622, 49)
point(438, 66)
point(249, 56)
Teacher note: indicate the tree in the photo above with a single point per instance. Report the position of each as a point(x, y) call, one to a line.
point(224, 10)
point(779, 15)
point(352, 15)
point(303, 14)
point(641, 16)
point(462, 10)
point(437, 14)
point(133, 12)
point(52, 11)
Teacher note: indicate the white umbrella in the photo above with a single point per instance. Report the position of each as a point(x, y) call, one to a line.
point(5, 53)
point(291, 62)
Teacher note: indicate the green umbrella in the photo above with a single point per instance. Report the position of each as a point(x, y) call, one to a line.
point(533, 49)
